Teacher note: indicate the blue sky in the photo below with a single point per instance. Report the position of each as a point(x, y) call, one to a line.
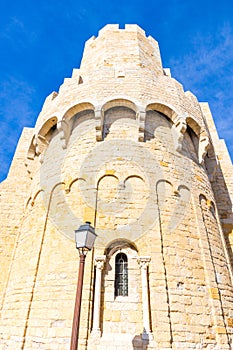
point(42, 41)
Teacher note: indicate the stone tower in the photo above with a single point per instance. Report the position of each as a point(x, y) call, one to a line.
point(123, 146)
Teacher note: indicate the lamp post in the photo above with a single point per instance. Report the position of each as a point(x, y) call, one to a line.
point(84, 237)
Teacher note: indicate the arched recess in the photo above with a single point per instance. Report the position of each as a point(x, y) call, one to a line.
point(174, 205)
point(165, 125)
point(44, 136)
point(107, 198)
point(115, 214)
point(119, 119)
point(82, 118)
point(119, 102)
point(123, 303)
point(159, 127)
point(165, 109)
point(117, 245)
point(199, 139)
point(196, 128)
point(164, 193)
point(191, 139)
point(48, 127)
point(188, 135)
point(75, 115)
point(40, 141)
point(74, 109)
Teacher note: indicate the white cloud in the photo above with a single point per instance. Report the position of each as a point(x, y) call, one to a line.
point(16, 100)
point(17, 33)
point(207, 71)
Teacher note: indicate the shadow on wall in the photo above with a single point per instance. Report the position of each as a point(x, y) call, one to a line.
point(139, 343)
point(222, 197)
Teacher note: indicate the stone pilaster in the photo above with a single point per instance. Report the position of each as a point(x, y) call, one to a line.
point(144, 263)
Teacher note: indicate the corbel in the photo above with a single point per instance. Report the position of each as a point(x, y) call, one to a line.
point(204, 144)
point(180, 127)
point(141, 118)
point(40, 144)
point(64, 127)
point(99, 123)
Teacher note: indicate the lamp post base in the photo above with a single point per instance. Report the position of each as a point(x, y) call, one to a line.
point(147, 335)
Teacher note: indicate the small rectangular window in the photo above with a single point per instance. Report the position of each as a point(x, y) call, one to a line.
point(121, 275)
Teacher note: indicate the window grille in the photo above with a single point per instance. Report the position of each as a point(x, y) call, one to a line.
point(121, 275)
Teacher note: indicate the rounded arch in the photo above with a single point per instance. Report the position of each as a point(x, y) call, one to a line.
point(119, 102)
point(70, 183)
point(208, 204)
point(202, 197)
point(196, 128)
point(28, 202)
point(118, 244)
point(133, 176)
point(192, 137)
point(74, 109)
point(163, 108)
point(208, 201)
point(182, 186)
point(103, 176)
point(160, 181)
point(47, 126)
point(35, 196)
point(115, 110)
point(212, 208)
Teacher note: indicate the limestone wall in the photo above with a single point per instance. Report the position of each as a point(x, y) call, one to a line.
point(13, 195)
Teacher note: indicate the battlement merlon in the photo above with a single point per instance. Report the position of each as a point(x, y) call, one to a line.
point(219, 144)
point(115, 46)
point(115, 28)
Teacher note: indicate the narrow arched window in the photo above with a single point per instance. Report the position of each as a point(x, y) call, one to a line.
point(121, 275)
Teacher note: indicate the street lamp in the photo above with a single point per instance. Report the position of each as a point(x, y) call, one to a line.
point(84, 237)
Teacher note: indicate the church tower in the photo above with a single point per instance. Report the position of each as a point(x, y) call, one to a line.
point(123, 146)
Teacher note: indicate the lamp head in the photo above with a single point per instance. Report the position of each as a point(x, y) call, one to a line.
point(85, 237)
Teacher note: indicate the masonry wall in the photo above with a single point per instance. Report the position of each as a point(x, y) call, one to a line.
point(13, 194)
point(123, 146)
